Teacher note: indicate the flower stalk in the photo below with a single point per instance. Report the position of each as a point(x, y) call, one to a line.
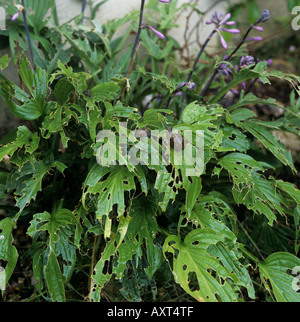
point(137, 37)
point(218, 21)
point(28, 34)
point(263, 18)
point(83, 10)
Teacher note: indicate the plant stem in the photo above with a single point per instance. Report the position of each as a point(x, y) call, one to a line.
point(28, 34)
point(252, 241)
point(200, 53)
point(245, 251)
point(135, 45)
point(207, 86)
point(83, 10)
point(194, 67)
point(95, 247)
point(136, 38)
point(129, 70)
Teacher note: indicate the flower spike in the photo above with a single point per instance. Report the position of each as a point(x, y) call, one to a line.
point(219, 20)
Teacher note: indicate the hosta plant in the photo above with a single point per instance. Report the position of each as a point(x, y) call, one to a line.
point(222, 226)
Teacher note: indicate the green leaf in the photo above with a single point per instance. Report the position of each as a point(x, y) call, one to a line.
point(153, 118)
point(37, 13)
point(25, 138)
point(230, 258)
point(269, 140)
point(51, 223)
point(274, 269)
point(3, 179)
point(28, 181)
point(251, 99)
point(110, 189)
point(262, 198)
point(31, 106)
point(193, 264)
point(207, 209)
point(289, 189)
point(170, 84)
point(167, 184)
point(77, 79)
point(62, 90)
point(101, 275)
point(237, 164)
point(193, 113)
point(104, 92)
point(234, 139)
point(143, 229)
point(193, 191)
point(154, 49)
point(54, 278)
point(28, 110)
point(89, 54)
point(8, 252)
point(4, 61)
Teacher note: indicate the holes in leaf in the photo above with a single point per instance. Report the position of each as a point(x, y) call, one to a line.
point(184, 222)
point(184, 267)
point(171, 242)
point(107, 268)
point(195, 243)
point(180, 175)
point(193, 282)
point(232, 137)
point(94, 287)
point(3, 264)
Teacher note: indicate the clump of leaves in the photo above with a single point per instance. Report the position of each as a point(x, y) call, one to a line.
point(226, 234)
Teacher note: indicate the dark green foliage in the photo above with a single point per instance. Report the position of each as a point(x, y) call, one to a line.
point(127, 232)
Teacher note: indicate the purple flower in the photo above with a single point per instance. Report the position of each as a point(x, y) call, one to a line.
point(246, 61)
point(220, 20)
point(191, 86)
point(178, 94)
point(159, 97)
point(181, 85)
point(256, 38)
point(164, 1)
point(225, 69)
point(264, 17)
point(259, 28)
point(16, 15)
point(158, 34)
